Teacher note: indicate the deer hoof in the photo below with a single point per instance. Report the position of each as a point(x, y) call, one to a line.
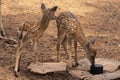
point(76, 64)
point(16, 74)
point(18, 69)
point(28, 63)
point(69, 67)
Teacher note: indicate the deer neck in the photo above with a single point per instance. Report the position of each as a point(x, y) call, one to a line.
point(81, 39)
point(44, 23)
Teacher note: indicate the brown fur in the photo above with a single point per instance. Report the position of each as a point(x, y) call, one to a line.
point(69, 30)
point(31, 31)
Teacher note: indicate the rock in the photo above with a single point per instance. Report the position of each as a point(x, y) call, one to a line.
point(43, 68)
point(99, 77)
point(82, 70)
point(109, 65)
point(81, 74)
point(111, 70)
point(113, 76)
point(107, 76)
point(84, 65)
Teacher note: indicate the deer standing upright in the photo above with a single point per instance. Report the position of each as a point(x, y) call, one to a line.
point(31, 31)
point(69, 30)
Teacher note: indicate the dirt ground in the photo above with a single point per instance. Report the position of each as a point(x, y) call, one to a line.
point(100, 18)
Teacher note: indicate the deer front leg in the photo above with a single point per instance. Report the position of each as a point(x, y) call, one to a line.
point(58, 48)
point(36, 46)
point(76, 56)
point(70, 53)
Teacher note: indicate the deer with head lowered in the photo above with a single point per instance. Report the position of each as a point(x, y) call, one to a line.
point(31, 31)
point(70, 31)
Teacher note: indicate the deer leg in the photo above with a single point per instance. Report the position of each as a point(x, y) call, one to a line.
point(59, 41)
point(70, 53)
point(18, 57)
point(36, 46)
point(64, 44)
point(76, 56)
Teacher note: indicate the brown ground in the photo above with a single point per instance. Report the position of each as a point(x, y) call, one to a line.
point(100, 18)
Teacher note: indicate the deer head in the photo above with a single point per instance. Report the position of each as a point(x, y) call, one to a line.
point(49, 13)
point(91, 51)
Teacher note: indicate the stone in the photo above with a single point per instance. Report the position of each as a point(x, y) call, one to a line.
point(81, 74)
point(44, 68)
point(107, 76)
point(111, 70)
point(108, 64)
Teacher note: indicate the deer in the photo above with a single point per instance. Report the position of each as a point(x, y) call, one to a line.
point(33, 31)
point(70, 33)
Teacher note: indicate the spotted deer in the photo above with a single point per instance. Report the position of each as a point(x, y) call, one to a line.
point(31, 31)
point(70, 31)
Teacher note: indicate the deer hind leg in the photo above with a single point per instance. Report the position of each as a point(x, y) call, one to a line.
point(76, 56)
point(18, 57)
point(64, 44)
point(59, 42)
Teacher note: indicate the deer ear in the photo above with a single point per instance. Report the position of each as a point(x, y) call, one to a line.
point(92, 40)
point(54, 9)
point(43, 7)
